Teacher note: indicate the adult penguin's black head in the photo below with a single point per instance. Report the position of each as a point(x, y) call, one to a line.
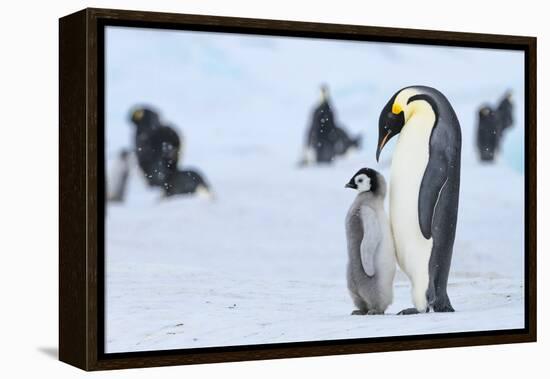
point(486, 111)
point(145, 118)
point(390, 123)
point(397, 112)
point(364, 180)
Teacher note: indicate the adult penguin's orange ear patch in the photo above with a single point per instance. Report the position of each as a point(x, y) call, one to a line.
point(396, 108)
point(138, 115)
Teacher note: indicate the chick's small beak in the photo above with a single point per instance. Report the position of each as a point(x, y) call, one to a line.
point(350, 185)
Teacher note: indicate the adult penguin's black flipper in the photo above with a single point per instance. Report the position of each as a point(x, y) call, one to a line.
point(433, 182)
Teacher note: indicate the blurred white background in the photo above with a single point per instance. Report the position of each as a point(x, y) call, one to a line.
point(29, 198)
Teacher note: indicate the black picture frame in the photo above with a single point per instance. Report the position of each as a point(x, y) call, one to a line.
point(81, 195)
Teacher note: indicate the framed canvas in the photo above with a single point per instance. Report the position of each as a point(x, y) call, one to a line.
point(203, 209)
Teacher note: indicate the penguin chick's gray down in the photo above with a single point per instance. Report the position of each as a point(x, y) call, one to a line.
point(371, 254)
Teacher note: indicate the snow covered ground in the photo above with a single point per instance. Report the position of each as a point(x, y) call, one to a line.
point(264, 262)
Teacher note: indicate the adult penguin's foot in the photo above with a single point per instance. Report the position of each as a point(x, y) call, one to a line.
point(443, 308)
point(408, 311)
point(443, 304)
point(374, 312)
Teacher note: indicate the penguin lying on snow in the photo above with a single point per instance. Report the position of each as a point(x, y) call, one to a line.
point(157, 146)
point(424, 191)
point(489, 131)
point(325, 140)
point(371, 253)
point(185, 182)
point(343, 143)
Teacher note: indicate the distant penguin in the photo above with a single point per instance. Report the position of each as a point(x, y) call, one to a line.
point(186, 182)
point(506, 110)
point(319, 146)
point(145, 120)
point(424, 190)
point(326, 140)
point(118, 178)
point(157, 146)
point(489, 130)
point(170, 149)
point(371, 253)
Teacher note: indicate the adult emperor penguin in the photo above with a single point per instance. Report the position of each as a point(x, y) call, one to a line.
point(424, 190)
point(157, 146)
point(489, 131)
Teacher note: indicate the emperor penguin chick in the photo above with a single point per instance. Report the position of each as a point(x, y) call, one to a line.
point(371, 252)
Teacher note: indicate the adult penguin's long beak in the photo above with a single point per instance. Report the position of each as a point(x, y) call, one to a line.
point(382, 140)
point(390, 124)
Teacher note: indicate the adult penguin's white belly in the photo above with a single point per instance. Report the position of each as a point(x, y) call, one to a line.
point(409, 162)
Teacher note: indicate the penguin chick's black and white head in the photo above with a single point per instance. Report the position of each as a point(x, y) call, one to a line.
point(366, 180)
